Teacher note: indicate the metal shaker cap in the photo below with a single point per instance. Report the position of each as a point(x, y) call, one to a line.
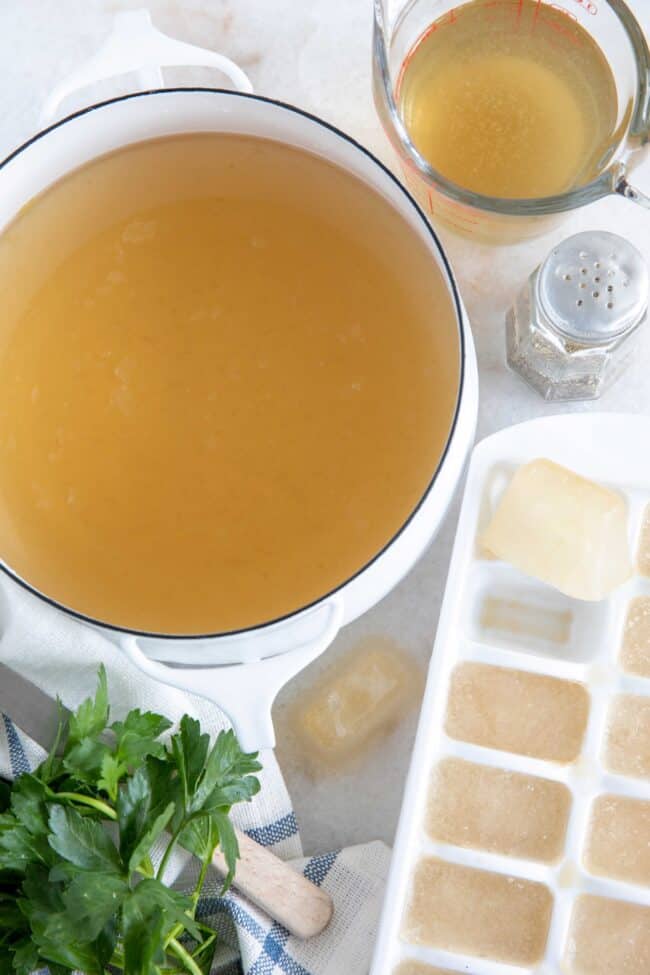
point(593, 287)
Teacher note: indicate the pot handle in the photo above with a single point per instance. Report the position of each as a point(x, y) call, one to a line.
point(134, 44)
point(245, 692)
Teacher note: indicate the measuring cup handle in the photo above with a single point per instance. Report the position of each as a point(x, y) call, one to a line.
point(244, 691)
point(632, 193)
point(134, 44)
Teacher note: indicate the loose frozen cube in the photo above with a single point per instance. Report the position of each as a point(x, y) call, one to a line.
point(475, 912)
point(627, 744)
point(515, 711)
point(493, 809)
point(562, 529)
point(635, 650)
point(643, 553)
point(618, 839)
point(515, 618)
point(357, 701)
point(608, 937)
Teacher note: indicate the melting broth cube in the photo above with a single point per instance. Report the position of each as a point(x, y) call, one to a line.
point(515, 711)
point(475, 912)
point(618, 841)
point(627, 746)
point(563, 529)
point(635, 650)
point(608, 937)
point(499, 811)
point(359, 700)
point(514, 618)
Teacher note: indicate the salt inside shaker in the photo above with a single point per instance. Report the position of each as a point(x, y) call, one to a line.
point(574, 327)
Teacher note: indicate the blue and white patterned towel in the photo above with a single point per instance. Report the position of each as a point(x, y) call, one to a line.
point(62, 657)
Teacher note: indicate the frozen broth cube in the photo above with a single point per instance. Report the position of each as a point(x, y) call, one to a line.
point(475, 912)
point(608, 937)
point(515, 711)
point(358, 700)
point(643, 554)
point(496, 810)
point(635, 650)
point(618, 839)
point(627, 746)
point(563, 529)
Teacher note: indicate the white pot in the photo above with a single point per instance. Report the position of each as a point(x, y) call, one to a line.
point(243, 672)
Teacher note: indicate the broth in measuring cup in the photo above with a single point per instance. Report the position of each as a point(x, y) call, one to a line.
point(510, 99)
point(228, 372)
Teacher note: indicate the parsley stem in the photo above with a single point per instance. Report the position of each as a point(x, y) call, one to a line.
point(97, 804)
point(177, 949)
point(174, 933)
point(117, 960)
point(199, 884)
point(168, 852)
point(178, 928)
point(146, 868)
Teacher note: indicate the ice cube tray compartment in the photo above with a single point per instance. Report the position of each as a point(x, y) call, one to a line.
point(583, 643)
point(506, 610)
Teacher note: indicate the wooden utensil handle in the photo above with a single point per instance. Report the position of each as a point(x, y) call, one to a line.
point(284, 894)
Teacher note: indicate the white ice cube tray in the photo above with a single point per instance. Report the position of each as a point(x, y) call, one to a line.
point(613, 449)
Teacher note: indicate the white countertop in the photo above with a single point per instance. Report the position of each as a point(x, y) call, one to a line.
point(316, 54)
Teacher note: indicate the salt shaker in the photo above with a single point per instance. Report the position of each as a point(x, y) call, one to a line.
point(574, 327)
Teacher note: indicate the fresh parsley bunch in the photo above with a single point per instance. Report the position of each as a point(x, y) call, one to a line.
point(78, 888)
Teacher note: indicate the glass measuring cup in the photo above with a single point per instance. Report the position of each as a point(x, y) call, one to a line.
point(399, 25)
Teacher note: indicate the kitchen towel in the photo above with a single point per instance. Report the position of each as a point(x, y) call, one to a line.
point(62, 656)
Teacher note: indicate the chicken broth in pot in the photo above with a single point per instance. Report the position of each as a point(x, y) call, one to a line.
point(228, 374)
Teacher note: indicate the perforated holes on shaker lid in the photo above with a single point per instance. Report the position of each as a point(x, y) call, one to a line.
point(594, 286)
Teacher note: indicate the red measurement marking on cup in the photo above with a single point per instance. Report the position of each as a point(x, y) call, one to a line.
point(589, 6)
point(491, 9)
point(450, 18)
point(453, 211)
point(520, 9)
point(434, 204)
point(563, 32)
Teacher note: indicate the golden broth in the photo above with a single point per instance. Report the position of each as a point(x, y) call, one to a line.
point(228, 371)
point(510, 98)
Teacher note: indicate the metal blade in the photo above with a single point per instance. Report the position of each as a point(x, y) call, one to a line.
point(30, 708)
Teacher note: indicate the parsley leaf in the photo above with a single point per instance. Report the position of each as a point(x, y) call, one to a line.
point(82, 841)
point(139, 829)
point(28, 804)
point(144, 953)
point(136, 736)
point(5, 795)
point(111, 773)
point(189, 750)
point(92, 899)
point(91, 717)
point(84, 760)
point(18, 847)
